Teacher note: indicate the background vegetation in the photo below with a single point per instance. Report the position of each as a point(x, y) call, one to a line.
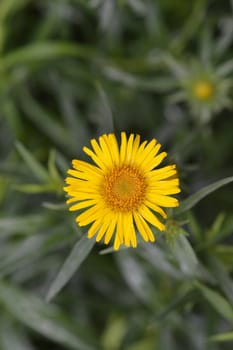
point(71, 70)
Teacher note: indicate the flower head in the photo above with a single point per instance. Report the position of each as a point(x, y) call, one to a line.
point(205, 86)
point(203, 90)
point(123, 190)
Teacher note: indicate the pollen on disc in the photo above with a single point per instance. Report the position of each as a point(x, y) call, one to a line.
point(124, 188)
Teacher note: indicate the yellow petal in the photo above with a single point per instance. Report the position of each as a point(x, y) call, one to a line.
point(129, 149)
point(111, 141)
point(151, 218)
point(94, 228)
point(162, 173)
point(156, 161)
point(156, 208)
point(164, 201)
point(129, 232)
point(89, 215)
point(143, 228)
point(110, 231)
point(81, 165)
point(117, 242)
point(135, 147)
point(95, 158)
point(123, 147)
point(83, 204)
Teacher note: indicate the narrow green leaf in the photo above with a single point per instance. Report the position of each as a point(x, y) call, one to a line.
point(55, 206)
point(111, 250)
point(175, 66)
point(223, 277)
point(225, 68)
point(35, 188)
point(9, 6)
point(190, 26)
point(216, 227)
point(219, 303)
point(45, 121)
point(185, 255)
point(36, 168)
point(20, 251)
point(158, 259)
point(78, 254)
point(114, 333)
point(191, 201)
point(183, 296)
point(45, 51)
point(72, 116)
point(194, 227)
point(134, 275)
point(26, 224)
point(225, 230)
point(12, 337)
point(228, 336)
point(107, 119)
point(133, 81)
point(53, 172)
point(41, 317)
point(224, 253)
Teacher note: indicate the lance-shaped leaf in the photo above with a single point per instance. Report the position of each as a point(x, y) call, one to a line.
point(44, 319)
point(191, 201)
point(78, 254)
point(220, 304)
point(228, 336)
point(37, 169)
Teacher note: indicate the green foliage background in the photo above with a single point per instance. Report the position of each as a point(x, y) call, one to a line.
point(71, 70)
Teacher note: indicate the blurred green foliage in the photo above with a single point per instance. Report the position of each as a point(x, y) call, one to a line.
point(71, 70)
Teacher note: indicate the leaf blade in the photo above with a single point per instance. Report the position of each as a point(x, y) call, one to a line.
point(192, 200)
point(38, 170)
point(228, 336)
point(78, 254)
point(220, 304)
point(44, 319)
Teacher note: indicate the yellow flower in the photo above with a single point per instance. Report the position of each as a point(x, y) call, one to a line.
point(123, 190)
point(203, 90)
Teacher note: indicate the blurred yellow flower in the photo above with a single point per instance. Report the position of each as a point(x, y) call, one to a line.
point(203, 90)
point(123, 190)
point(205, 86)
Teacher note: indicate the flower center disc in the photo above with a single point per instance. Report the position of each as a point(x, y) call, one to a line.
point(203, 90)
point(124, 188)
